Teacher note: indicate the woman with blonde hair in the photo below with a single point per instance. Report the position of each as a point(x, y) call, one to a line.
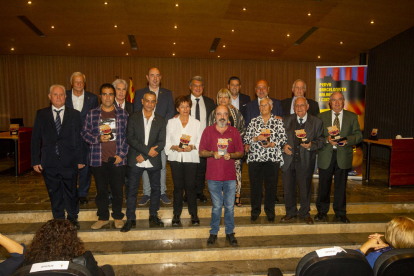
point(399, 233)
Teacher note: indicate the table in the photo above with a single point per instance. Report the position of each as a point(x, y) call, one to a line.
point(22, 152)
point(379, 142)
point(15, 138)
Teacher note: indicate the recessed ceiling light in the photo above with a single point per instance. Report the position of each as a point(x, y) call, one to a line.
point(12, 49)
point(122, 43)
point(173, 54)
point(30, 2)
point(232, 30)
point(105, 3)
point(341, 42)
point(272, 50)
point(127, 54)
point(372, 21)
point(218, 56)
point(224, 46)
point(319, 56)
point(53, 27)
point(175, 26)
point(288, 35)
point(244, 9)
point(309, 14)
point(176, 5)
point(174, 43)
point(116, 26)
point(68, 44)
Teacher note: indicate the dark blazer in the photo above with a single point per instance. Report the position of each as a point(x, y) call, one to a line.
point(129, 107)
point(243, 101)
point(136, 138)
point(165, 102)
point(313, 106)
point(314, 133)
point(68, 140)
point(210, 106)
point(252, 110)
point(90, 101)
point(349, 129)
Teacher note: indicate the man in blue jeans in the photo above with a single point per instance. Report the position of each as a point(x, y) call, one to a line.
point(221, 144)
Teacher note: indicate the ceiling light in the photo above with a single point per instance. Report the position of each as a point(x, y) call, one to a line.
point(272, 50)
point(175, 27)
point(30, 2)
point(244, 9)
point(116, 26)
point(173, 54)
point(218, 56)
point(341, 42)
point(105, 3)
point(176, 5)
point(12, 49)
point(53, 27)
point(288, 35)
point(122, 43)
point(127, 54)
point(174, 43)
point(319, 56)
point(372, 21)
point(224, 46)
point(309, 14)
point(68, 44)
point(232, 30)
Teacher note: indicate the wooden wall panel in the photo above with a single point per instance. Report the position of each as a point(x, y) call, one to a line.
point(25, 80)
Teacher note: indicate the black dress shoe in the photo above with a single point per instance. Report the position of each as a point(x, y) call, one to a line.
point(195, 220)
point(75, 223)
point(320, 217)
point(201, 197)
point(277, 200)
point(308, 220)
point(211, 240)
point(287, 218)
point(231, 239)
point(83, 200)
point(343, 219)
point(271, 219)
point(128, 225)
point(155, 221)
point(176, 220)
point(254, 217)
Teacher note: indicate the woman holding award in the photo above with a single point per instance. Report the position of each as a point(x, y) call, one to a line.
point(183, 138)
point(266, 136)
point(236, 120)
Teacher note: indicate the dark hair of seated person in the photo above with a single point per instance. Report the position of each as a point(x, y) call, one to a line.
point(56, 240)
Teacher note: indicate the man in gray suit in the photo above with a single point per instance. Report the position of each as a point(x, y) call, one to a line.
point(146, 134)
point(165, 108)
point(299, 156)
point(298, 90)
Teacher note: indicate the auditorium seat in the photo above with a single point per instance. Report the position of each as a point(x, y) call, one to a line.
point(397, 262)
point(343, 264)
point(73, 270)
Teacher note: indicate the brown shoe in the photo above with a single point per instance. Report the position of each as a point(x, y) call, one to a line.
point(287, 218)
point(119, 223)
point(308, 220)
point(98, 225)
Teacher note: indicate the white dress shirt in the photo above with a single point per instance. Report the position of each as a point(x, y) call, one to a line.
point(78, 101)
point(174, 131)
point(236, 102)
point(156, 94)
point(303, 119)
point(291, 106)
point(203, 112)
point(122, 105)
point(60, 114)
point(147, 129)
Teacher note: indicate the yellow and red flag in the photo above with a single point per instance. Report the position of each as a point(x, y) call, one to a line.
point(131, 93)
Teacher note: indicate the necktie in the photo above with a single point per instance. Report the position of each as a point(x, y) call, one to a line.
point(120, 105)
point(336, 121)
point(197, 115)
point(301, 122)
point(58, 125)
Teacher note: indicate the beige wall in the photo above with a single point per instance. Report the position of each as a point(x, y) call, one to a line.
point(25, 80)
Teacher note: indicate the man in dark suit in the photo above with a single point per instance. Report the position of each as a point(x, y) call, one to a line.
point(83, 101)
point(164, 108)
point(146, 134)
point(121, 90)
point(298, 90)
point(252, 108)
point(201, 109)
point(335, 158)
point(57, 129)
point(299, 159)
point(239, 100)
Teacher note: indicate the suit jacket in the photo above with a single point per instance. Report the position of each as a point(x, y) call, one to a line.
point(68, 140)
point(210, 106)
point(90, 101)
point(136, 139)
point(243, 101)
point(313, 106)
point(129, 107)
point(314, 134)
point(165, 102)
point(252, 110)
point(349, 129)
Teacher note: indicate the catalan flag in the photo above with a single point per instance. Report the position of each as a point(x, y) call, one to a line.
point(131, 93)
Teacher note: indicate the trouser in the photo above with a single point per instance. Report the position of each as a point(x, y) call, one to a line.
point(324, 191)
point(201, 175)
point(267, 172)
point(109, 175)
point(146, 186)
point(303, 176)
point(183, 175)
point(61, 186)
point(134, 175)
point(85, 176)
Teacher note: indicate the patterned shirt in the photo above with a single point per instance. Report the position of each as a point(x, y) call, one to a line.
point(257, 152)
point(91, 134)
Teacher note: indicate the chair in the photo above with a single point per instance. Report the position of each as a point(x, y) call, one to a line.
point(397, 262)
point(73, 270)
point(343, 264)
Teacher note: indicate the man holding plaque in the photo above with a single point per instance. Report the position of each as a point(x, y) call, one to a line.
point(304, 136)
point(342, 131)
point(221, 144)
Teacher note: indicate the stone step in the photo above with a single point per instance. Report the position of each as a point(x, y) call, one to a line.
point(24, 232)
point(203, 212)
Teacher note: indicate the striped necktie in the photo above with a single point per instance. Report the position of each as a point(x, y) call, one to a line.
point(58, 125)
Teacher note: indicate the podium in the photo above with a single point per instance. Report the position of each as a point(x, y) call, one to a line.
point(402, 162)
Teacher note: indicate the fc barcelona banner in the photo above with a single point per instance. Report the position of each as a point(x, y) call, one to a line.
point(351, 81)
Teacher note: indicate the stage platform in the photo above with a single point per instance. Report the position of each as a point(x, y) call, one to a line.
point(182, 250)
